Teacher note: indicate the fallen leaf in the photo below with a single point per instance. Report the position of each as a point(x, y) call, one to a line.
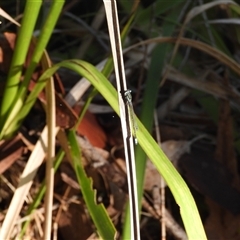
point(90, 128)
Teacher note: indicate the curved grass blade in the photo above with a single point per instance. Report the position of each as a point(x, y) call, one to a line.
point(181, 192)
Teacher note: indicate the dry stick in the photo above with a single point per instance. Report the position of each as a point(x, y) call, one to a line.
point(55, 230)
point(173, 227)
point(125, 105)
point(162, 186)
point(51, 123)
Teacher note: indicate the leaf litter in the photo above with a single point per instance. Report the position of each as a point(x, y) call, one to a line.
point(181, 119)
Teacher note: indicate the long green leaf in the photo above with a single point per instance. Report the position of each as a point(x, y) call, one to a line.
point(9, 126)
point(180, 191)
point(24, 37)
point(157, 63)
point(97, 211)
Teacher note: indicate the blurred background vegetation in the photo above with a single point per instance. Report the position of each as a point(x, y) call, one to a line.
point(185, 68)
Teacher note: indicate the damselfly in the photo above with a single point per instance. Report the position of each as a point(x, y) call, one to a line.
point(133, 122)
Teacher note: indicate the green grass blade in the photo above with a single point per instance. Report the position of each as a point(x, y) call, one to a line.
point(181, 193)
point(158, 57)
point(98, 212)
point(18, 115)
point(41, 43)
point(22, 45)
point(9, 127)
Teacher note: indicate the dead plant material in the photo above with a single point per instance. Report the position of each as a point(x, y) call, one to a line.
point(11, 150)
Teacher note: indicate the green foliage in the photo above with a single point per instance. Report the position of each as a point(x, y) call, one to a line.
point(97, 211)
point(15, 91)
point(159, 18)
point(177, 185)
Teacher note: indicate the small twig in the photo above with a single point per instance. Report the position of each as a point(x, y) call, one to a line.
point(162, 186)
point(51, 121)
point(172, 226)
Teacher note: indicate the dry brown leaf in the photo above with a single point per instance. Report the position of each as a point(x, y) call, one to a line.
point(90, 128)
